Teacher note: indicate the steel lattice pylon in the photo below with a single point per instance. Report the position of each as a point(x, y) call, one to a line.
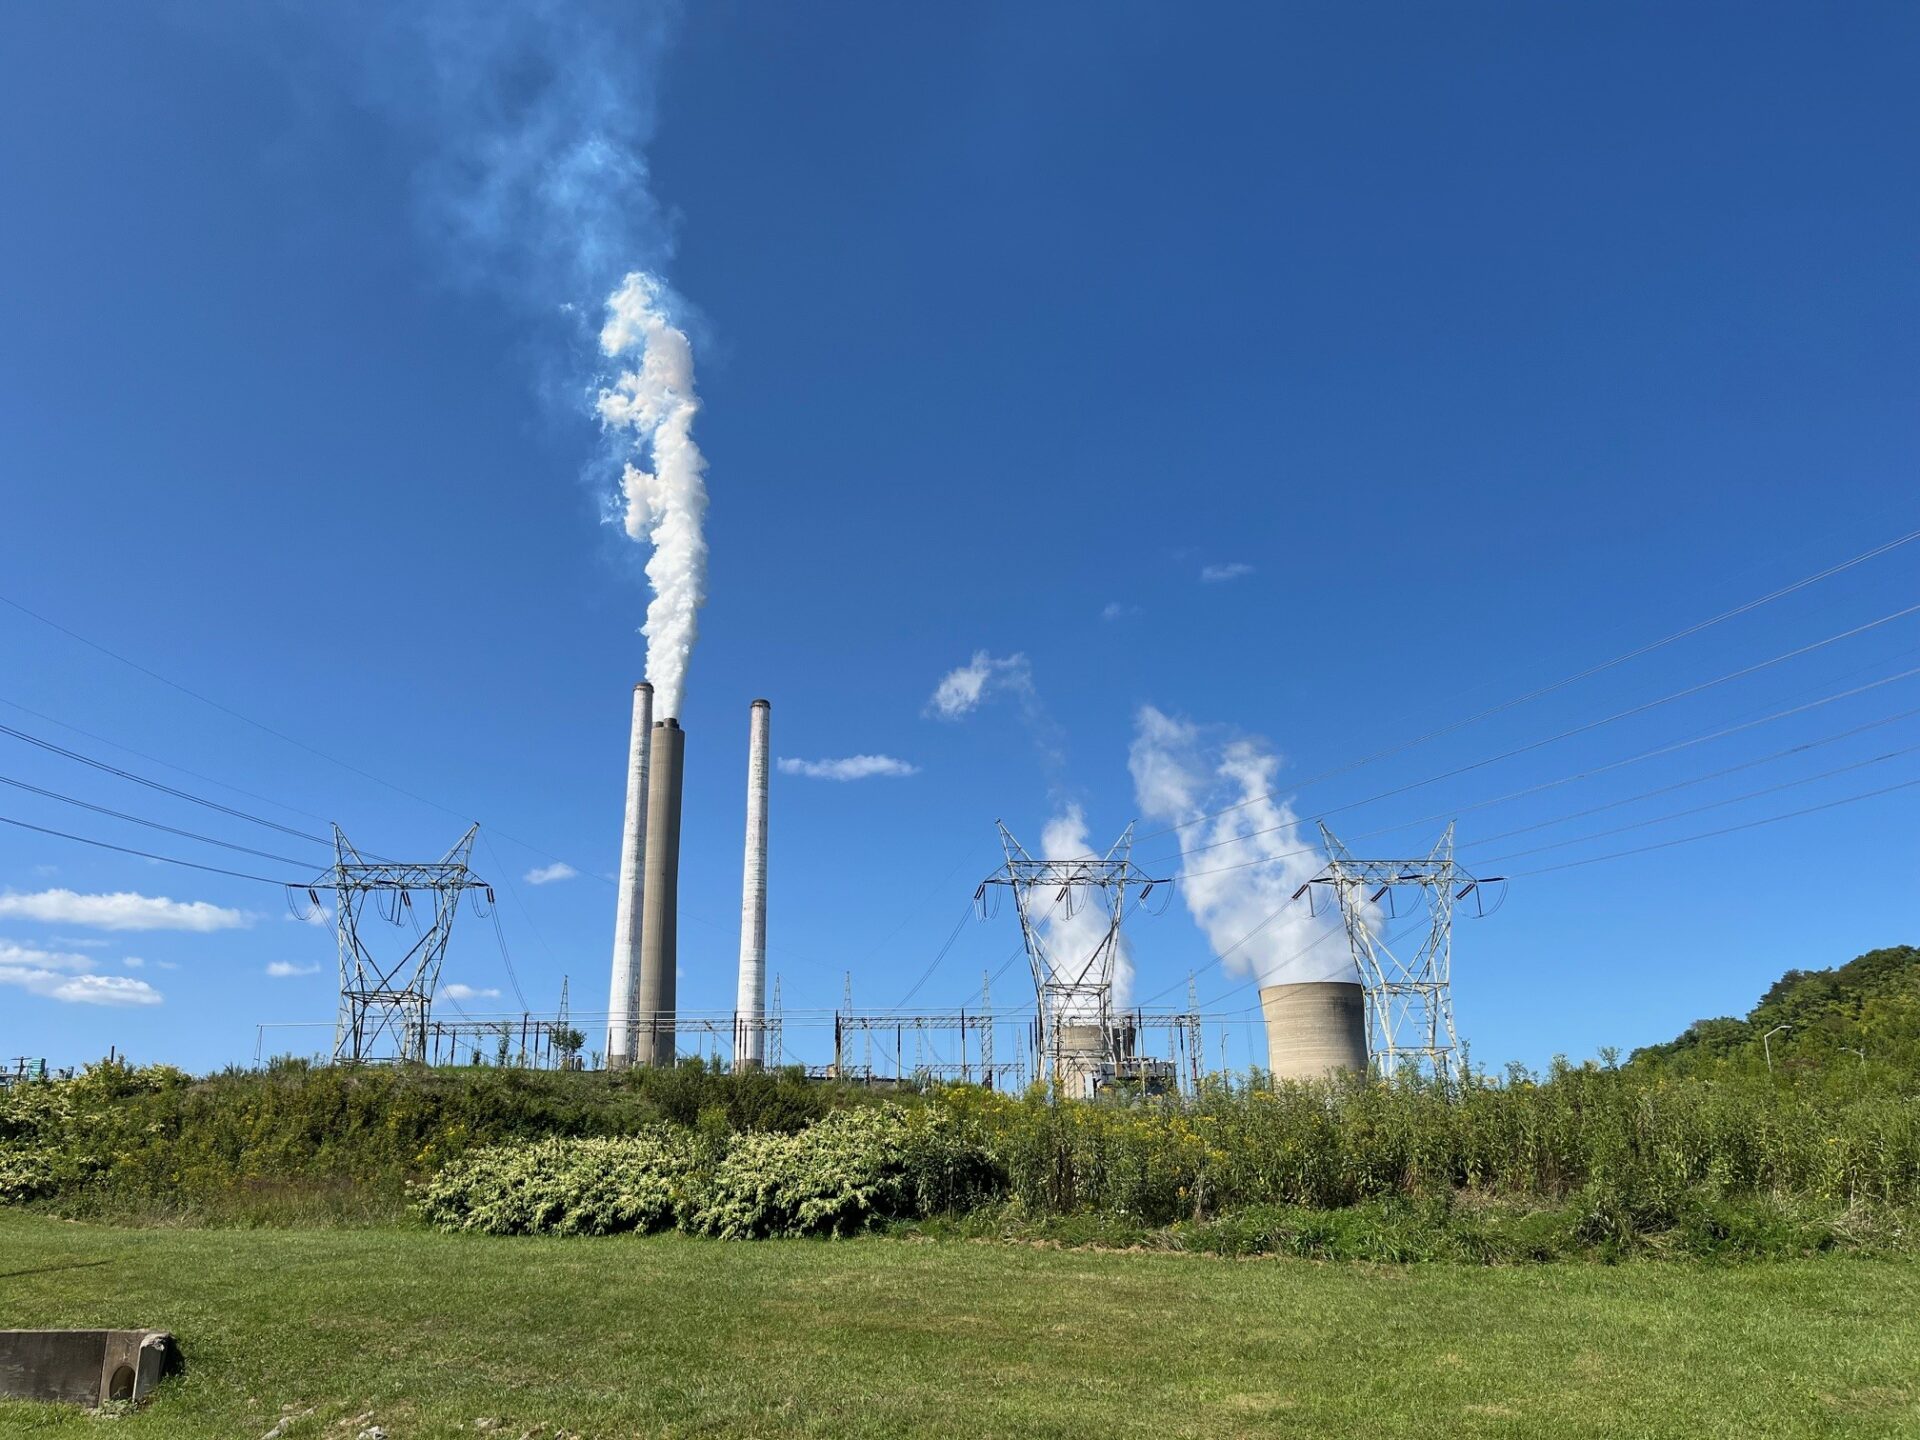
point(1409, 1000)
point(1077, 1042)
point(385, 1005)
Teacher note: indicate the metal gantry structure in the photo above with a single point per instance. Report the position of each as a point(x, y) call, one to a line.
point(1078, 1045)
point(386, 1003)
point(1409, 993)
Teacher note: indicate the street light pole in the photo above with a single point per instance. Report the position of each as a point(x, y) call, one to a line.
point(1767, 1048)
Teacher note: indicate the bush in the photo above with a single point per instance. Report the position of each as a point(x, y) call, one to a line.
point(842, 1174)
point(835, 1177)
point(565, 1187)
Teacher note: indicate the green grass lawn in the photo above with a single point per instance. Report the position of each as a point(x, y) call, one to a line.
point(672, 1336)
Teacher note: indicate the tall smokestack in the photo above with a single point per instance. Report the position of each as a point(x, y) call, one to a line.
point(1315, 1029)
point(659, 915)
point(750, 1043)
point(627, 903)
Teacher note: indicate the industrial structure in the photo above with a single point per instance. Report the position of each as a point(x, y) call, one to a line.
point(621, 994)
point(1316, 1029)
point(1409, 996)
point(386, 1004)
point(1078, 1036)
point(751, 1002)
point(660, 910)
point(1080, 1046)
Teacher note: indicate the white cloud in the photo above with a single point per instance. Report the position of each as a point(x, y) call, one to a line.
point(15, 956)
point(961, 691)
point(547, 874)
point(1233, 570)
point(1117, 610)
point(123, 910)
point(286, 969)
point(104, 990)
point(851, 767)
point(84, 942)
point(457, 991)
point(132, 962)
point(68, 977)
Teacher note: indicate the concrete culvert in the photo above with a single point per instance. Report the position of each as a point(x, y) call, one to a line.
point(84, 1367)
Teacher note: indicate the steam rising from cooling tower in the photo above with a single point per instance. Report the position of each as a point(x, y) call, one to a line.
point(1182, 775)
point(666, 505)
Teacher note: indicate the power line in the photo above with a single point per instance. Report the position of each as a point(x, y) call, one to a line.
point(1390, 941)
point(1698, 809)
point(1188, 852)
point(145, 854)
point(966, 913)
point(266, 728)
point(164, 789)
point(156, 760)
point(150, 824)
point(506, 959)
point(215, 704)
point(1635, 654)
point(1726, 830)
point(506, 878)
point(1586, 774)
point(1221, 955)
point(1581, 729)
point(1691, 781)
point(1591, 860)
point(1594, 670)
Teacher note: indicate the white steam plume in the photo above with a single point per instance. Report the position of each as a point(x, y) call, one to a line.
point(1070, 937)
point(666, 505)
point(1181, 773)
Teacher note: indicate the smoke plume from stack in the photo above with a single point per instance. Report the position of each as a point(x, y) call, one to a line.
point(665, 482)
point(1182, 773)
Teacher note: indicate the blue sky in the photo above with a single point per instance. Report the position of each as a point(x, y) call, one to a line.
point(1466, 347)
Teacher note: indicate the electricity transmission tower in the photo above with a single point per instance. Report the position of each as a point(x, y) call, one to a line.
point(385, 1004)
point(1409, 996)
point(1073, 980)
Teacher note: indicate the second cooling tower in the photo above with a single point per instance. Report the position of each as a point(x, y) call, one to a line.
point(660, 903)
point(1315, 1029)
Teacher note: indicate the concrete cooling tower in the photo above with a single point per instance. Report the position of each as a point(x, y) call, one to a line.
point(1315, 1029)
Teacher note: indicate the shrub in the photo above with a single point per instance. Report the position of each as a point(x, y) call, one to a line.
point(840, 1175)
point(833, 1178)
point(565, 1187)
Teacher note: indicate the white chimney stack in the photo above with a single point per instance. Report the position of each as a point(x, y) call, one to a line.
point(750, 1009)
point(628, 901)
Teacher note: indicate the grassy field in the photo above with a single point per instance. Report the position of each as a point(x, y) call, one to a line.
point(878, 1337)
